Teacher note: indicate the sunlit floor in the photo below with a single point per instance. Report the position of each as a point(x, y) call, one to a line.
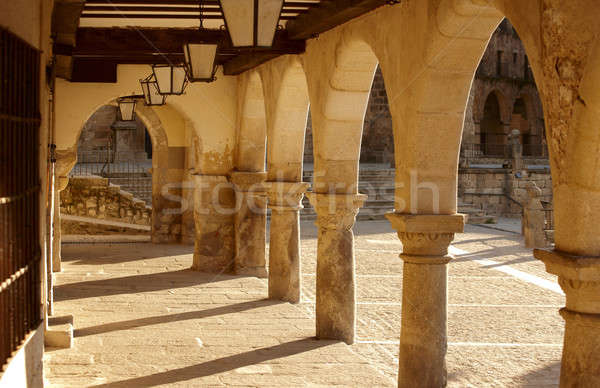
point(143, 319)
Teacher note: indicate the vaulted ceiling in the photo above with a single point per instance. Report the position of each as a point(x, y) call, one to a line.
point(92, 37)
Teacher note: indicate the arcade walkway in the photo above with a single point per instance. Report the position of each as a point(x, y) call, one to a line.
point(142, 319)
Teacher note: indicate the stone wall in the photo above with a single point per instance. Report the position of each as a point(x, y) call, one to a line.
point(93, 198)
point(496, 190)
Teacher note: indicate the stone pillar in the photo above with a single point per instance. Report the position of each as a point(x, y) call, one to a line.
point(214, 206)
point(61, 184)
point(516, 150)
point(425, 240)
point(284, 240)
point(579, 277)
point(335, 304)
point(534, 219)
point(250, 223)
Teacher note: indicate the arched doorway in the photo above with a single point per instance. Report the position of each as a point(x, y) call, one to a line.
point(492, 136)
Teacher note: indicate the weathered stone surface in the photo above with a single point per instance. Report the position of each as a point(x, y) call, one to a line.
point(335, 293)
point(285, 202)
point(250, 223)
point(93, 197)
point(214, 208)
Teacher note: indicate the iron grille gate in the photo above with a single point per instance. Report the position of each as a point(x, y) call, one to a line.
point(20, 289)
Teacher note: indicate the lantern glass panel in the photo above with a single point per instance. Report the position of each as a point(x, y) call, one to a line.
point(170, 79)
point(239, 17)
point(268, 18)
point(151, 94)
point(127, 109)
point(200, 59)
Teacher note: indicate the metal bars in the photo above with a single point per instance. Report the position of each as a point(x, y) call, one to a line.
point(20, 283)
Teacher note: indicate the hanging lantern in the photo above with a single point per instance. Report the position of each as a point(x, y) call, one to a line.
point(127, 107)
point(170, 79)
point(200, 61)
point(152, 97)
point(251, 23)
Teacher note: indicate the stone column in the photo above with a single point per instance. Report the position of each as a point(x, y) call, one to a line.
point(214, 206)
point(250, 223)
point(61, 184)
point(425, 240)
point(284, 240)
point(335, 304)
point(579, 277)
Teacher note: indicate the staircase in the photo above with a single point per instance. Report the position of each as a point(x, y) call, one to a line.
point(137, 183)
point(378, 184)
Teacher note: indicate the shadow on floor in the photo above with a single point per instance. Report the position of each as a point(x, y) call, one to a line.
point(548, 376)
point(136, 284)
point(81, 254)
point(223, 364)
point(160, 319)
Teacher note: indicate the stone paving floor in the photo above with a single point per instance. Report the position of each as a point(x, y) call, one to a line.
point(142, 319)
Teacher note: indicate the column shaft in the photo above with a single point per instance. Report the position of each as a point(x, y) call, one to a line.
point(57, 238)
point(335, 296)
point(284, 256)
point(285, 277)
point(250, 235)
point(250, 223)
point(423, 338)
point(213, 215)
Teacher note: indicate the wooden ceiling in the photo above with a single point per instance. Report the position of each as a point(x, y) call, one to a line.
point(92, 37)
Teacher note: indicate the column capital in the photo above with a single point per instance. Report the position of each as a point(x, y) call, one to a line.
point(336, 211)
point(578, 276)
point(286, 195)
point(248, 182)
point(426, 237)
point(61, 183)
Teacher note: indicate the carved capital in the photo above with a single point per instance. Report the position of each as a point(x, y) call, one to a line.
point(65, 161)
point(336, 211)
point(426, 235)
point(286, 196)
point(578, 276)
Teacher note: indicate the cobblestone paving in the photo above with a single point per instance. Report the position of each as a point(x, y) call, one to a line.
point(142, 319)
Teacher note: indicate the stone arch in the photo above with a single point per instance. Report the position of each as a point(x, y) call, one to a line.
point(339, 92)
point(286, 103)
point(160, 152)
point(251, 131)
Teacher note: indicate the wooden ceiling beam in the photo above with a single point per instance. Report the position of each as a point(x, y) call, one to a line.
point(161, 45)
point(329, 14)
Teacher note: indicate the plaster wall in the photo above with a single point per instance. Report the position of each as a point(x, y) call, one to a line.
point(210, 107)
